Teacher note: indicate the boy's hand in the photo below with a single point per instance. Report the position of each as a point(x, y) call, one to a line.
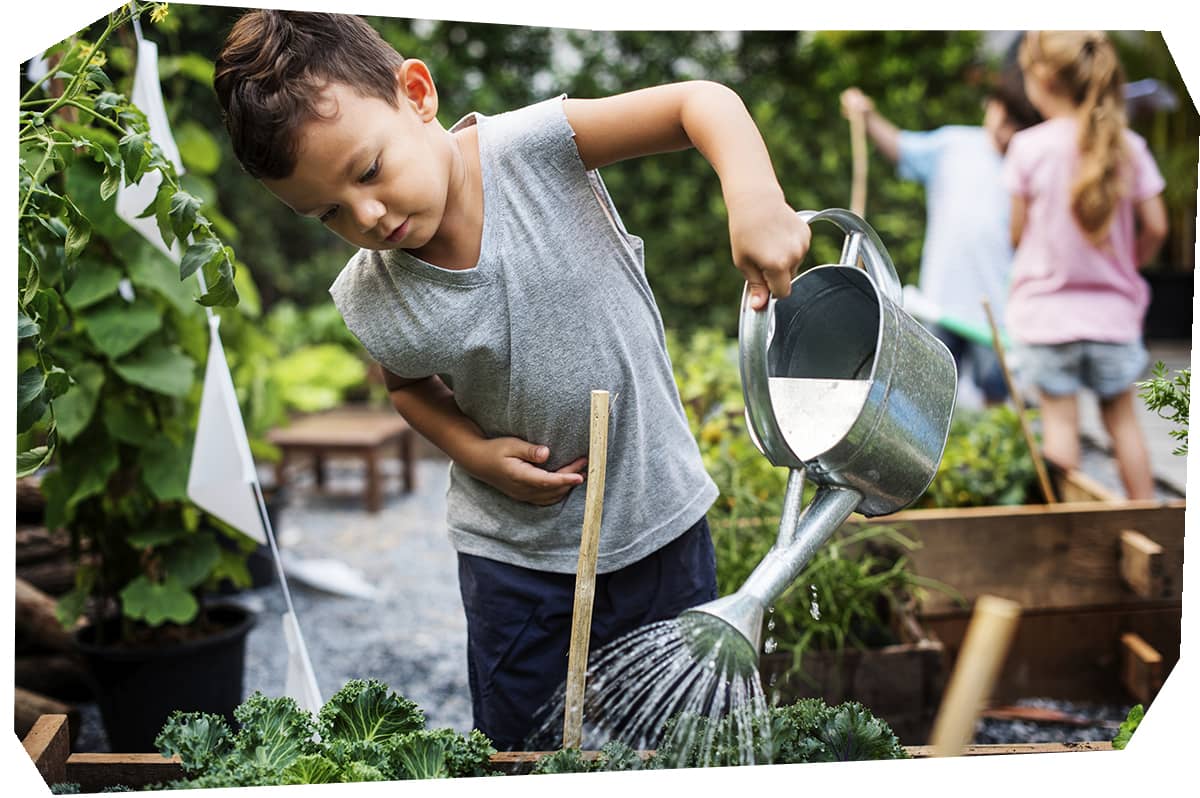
point(510, 466)
point(768, 240)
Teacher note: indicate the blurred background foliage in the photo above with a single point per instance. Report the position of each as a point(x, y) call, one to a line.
point(789, 80)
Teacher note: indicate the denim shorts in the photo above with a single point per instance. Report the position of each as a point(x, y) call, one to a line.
point(1108, 369)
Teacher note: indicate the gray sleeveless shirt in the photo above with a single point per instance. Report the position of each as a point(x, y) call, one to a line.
point(558, 305)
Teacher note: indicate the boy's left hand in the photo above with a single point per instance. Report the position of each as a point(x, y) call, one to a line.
point(768, 240)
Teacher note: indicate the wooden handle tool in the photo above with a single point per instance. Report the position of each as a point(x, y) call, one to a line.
point(585, 572)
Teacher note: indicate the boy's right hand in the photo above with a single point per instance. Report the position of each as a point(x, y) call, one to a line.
point(510, 465)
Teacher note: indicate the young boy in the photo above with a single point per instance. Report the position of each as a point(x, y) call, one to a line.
point(967, 251)
point(497, 287)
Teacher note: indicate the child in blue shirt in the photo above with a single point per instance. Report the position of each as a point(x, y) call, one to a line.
point(497, 286)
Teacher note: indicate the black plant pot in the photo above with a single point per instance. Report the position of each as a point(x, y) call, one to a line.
point(138, 688)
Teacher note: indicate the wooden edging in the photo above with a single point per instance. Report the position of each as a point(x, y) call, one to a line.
point(48, 746)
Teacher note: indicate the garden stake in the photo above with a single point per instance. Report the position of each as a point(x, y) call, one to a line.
point(585, 572)
point(985, 645)
point(858, 149)
point(1038, 463)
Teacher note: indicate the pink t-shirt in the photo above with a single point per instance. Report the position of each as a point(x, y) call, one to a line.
point(1063, 287)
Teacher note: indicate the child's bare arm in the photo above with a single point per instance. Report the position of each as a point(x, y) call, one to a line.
point(1151, 218)
point(1016, 219)
point(768, 239)
point(507, 464)
point(880, 129)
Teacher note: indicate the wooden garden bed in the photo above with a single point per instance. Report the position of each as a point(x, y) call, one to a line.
point(48, 745)
point(1099, 580)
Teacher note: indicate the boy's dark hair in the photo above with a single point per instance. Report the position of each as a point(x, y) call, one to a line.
point(1008, 89)
point(272, 68)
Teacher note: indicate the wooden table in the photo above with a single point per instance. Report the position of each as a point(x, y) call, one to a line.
point(351, 432)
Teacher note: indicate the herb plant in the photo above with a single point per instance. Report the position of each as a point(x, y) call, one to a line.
point(1170, 397)
point(986, 462)
point(1128, 726)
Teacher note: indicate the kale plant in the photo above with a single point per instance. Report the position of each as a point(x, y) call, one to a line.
point(365, 732)
point(1129, 726)
point(613, 755)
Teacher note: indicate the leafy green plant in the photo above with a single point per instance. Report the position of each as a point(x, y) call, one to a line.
point(1128, 726)
point(110, 342)
point(365, 732)
point(986, 462)
point(1170, 396)
point(612, 756)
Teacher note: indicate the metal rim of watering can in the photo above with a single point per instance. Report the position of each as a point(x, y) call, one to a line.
point(755, 328)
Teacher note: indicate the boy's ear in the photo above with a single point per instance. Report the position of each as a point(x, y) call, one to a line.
point(414, 85)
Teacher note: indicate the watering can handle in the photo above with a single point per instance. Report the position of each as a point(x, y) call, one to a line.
point(878, 262)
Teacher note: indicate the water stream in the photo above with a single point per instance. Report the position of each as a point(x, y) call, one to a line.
point(695, 669)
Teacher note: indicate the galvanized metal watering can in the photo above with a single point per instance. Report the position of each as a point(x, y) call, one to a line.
point(844, 387)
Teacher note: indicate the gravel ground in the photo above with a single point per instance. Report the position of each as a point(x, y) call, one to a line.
point(413, 635)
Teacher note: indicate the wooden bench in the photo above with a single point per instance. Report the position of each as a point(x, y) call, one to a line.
point(351, 432)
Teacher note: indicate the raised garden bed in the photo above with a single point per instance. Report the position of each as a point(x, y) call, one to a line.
point(48, 745)
point(1099, 579)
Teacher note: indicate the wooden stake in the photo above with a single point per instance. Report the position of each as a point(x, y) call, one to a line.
point(1039, 463)
point(858, 149)
point(984, 647)
point(585, 572)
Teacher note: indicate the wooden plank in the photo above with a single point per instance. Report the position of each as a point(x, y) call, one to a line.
point(1071, 654)
point(1042, 557)
point(1141, 668)
point(48, 745)
point(94, 772)
point(1142, 564)
point(1076, 486)
point(925, 751)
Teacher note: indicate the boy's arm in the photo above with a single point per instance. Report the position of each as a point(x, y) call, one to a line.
point(1016, 219)
point(768, 239)
point(881, 130)
point(507, 464)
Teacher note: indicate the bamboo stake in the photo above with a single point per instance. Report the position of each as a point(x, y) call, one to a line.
point(858, 149)
point(1039, 463)
point(585, 572)
point(985, 645)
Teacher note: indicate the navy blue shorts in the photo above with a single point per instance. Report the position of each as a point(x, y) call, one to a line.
point(519, 623)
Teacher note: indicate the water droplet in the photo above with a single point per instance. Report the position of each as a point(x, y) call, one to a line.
point(814, 609)
point(770, 645)
point(771, 625)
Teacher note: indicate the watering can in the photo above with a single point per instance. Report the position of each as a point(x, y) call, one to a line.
point(846, 389)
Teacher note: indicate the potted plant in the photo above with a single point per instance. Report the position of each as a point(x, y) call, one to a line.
point(111, 344)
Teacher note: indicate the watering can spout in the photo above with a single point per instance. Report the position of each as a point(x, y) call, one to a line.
point(744, 610)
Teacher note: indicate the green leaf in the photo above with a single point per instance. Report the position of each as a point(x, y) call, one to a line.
point(192, 560)
point(58, 382)
point(78, 234)
point(30, 461)
point(165, 468)
point(135, 154)
point(117, 327)
point(111, 182)
point(183, 210)
point(155, 603)
point(160, 369)
point(31, 400)
point(198, 148)
point(1128, 726)
point(162, 213)
point(26, 327)
point(127, 422)
point(73, 410)
point(152, 537)
point(150, 269)
point(92, 284)
point(72, 604)
point(198, 254)
point(107, 103)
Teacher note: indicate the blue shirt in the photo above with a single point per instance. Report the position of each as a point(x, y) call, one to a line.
point(967, 252)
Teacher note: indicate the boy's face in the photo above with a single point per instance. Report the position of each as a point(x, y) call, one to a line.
point(995, 122)
point(371, 173)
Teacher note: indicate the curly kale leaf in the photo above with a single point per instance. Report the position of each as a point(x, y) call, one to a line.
point(199, 739)
point(616, 755)
point(468, 755)
point(568, 760)
point(371, 753)
point(852, 733)
point(1129, 726)
point(365, 709)
point(274, 731)
point(361, 771)
point(311, 769)
point(421, 755)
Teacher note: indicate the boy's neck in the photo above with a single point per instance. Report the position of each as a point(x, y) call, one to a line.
point(457, 243)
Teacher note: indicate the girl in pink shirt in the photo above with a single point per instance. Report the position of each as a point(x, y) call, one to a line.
point(1087, 213)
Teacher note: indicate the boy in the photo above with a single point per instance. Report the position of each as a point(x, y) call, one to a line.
point(497, 286)
point(967, 252)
